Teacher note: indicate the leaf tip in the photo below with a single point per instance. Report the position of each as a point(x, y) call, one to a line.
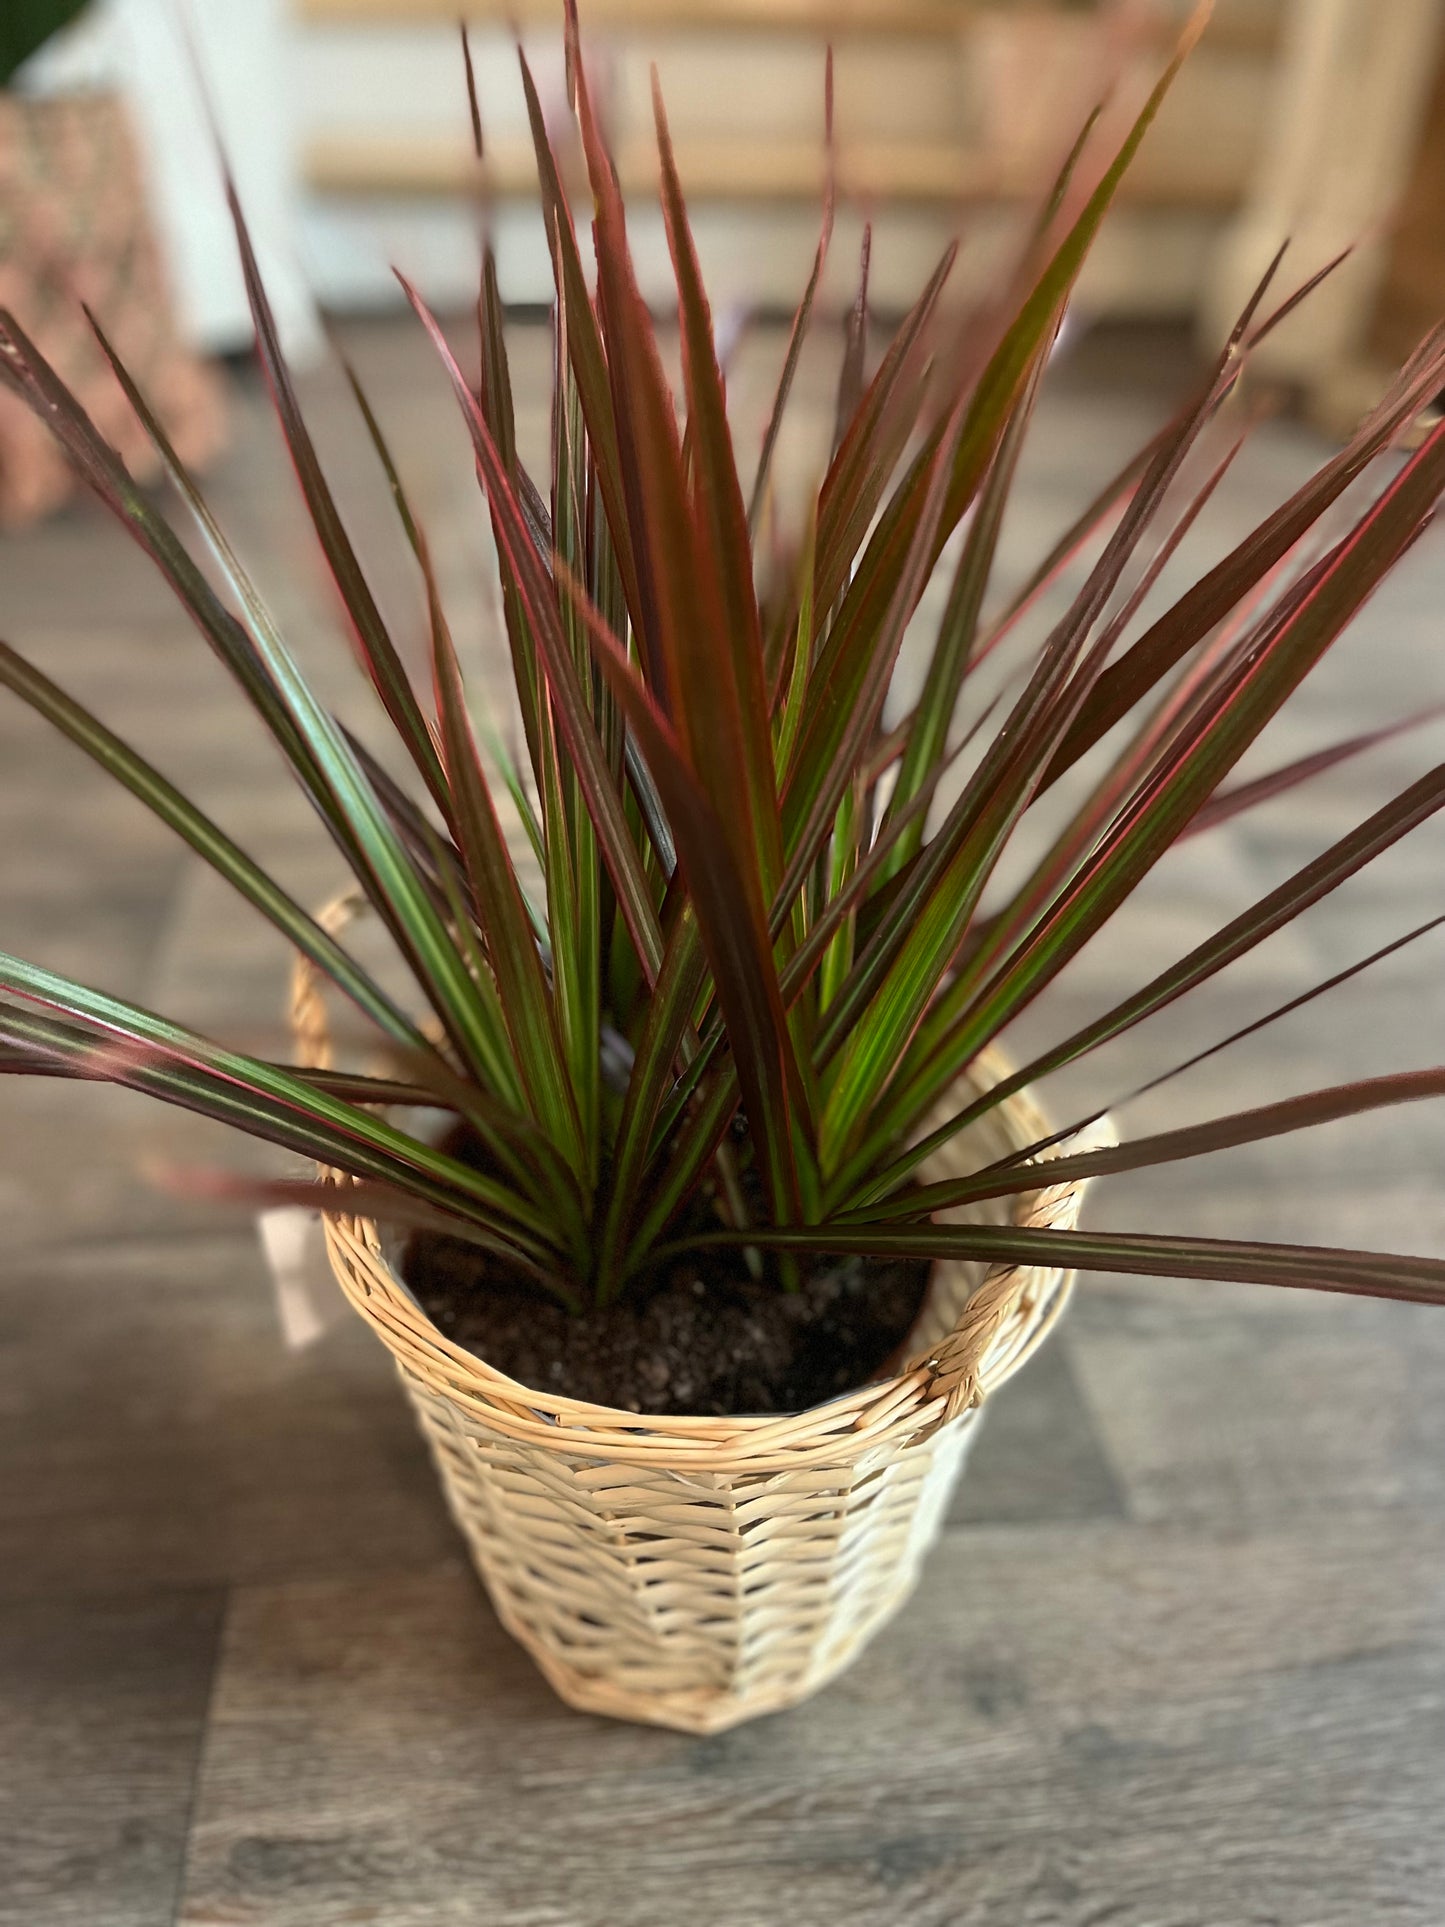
point(473, 104)
point(1194, 28)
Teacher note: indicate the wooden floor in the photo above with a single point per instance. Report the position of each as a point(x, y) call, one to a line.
point(1179, 1660)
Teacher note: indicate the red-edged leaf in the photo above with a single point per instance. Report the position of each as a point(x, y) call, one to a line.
point(354, 1198)
point(1165, 644)
point(576, 913)
point(798, 333)
point(953, 647)
point(1111, 502)
point(29, 1059)
point(1164, 1147)
point(207, 839)
point(131, 1046)
point(524, 999)
point(1271, 913)
point(1002, 380)
point(812, 796)
point(721, 701)
point(1369, 1274)
point(538, 596)
point(1092, 816)
point(1290, 645)
point(375, 647)
point(401, 893)
point(877, 432)
point(25, 370)
point(855, 345)
point(584, 342)
point(1256, 1024)
point(929, 911)
point(926, 919)
point(668, 1020)
point(729, 921)
point(680, 618)
point(1263, 789)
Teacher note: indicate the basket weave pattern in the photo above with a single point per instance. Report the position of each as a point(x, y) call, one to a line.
point(696, 1572)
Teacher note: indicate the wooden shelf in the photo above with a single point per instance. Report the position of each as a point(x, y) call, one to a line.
point(1246, 26)
point(747, 171)
point(730, 170)
point(903, 17)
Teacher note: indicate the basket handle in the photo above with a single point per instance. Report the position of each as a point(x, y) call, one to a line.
point(309, 1023)
point(959, 1374)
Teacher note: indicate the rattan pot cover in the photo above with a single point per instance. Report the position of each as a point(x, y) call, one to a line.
point(696, 1572)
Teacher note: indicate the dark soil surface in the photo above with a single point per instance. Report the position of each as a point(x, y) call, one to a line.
point(703, 1339)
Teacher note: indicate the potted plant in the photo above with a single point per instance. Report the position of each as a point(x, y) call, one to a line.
point(75, 228)
point(734, 1215)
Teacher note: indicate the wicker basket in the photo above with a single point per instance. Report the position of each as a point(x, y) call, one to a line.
point(696, 1572)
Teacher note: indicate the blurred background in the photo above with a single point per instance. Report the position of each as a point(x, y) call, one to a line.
point(347, 124)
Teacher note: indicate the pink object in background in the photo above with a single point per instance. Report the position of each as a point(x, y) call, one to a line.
point(75, 227)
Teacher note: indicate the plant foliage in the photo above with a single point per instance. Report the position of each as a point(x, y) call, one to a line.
point(26, 25)
point(769, 946)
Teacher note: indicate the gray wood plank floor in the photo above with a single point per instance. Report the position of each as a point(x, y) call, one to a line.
point(1180, 1657)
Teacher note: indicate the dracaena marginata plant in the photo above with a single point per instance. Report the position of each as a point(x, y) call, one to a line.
point(743, 1004)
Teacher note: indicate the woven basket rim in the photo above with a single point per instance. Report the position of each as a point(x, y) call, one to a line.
point(1004, 1319)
